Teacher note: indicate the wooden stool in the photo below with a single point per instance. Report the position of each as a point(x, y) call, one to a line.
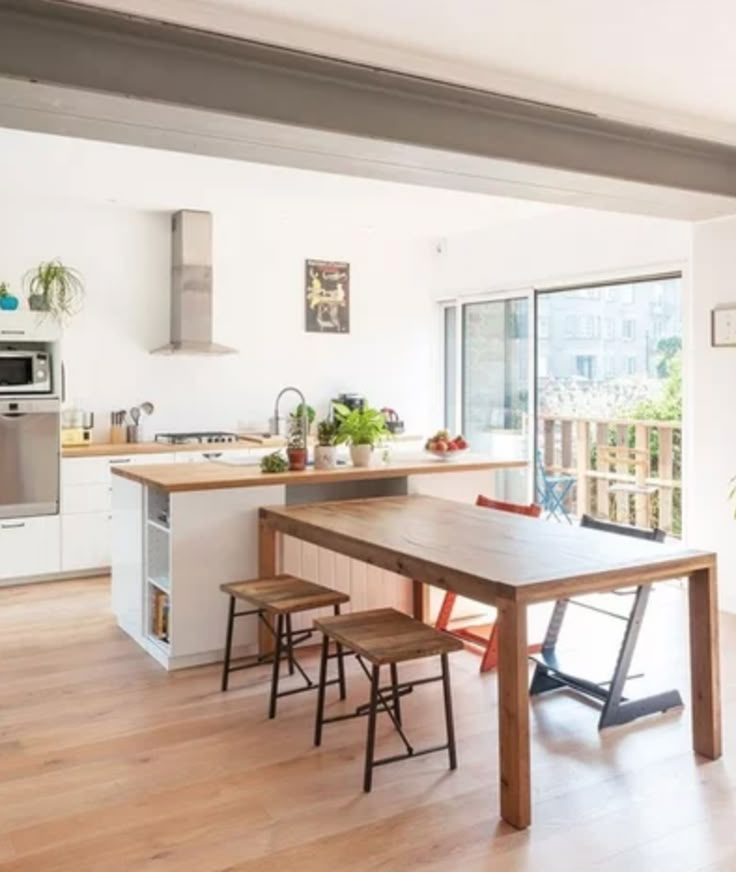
point(278, 598)
point(385, 637)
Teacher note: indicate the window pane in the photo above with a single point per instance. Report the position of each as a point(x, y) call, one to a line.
point(608, 369)
point(495, 375)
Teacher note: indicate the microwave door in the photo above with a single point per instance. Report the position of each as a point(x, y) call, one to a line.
point(29, 458)
point(16, 372)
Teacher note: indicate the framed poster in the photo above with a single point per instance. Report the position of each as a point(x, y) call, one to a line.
point(327, 296)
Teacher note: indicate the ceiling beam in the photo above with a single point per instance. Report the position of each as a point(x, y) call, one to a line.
point(85, 48)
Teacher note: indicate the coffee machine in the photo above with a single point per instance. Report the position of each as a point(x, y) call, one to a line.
point(350, 401)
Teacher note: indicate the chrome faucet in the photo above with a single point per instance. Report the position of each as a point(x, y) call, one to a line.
point(275, 423)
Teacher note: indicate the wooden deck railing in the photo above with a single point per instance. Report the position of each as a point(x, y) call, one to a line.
point(568, 445)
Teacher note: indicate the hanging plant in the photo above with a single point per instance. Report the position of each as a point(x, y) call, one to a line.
point(56, 289)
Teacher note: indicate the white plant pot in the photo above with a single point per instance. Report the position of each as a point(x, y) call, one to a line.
point(361, 455)
point(325, 457)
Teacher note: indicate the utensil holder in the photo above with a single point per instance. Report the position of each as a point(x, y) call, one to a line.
point(118, 434)
point(133, 433)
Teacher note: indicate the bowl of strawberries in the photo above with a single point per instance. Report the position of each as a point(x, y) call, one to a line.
point(445, 447)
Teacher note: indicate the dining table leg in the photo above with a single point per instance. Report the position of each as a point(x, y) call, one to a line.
point(267, 567)
point(513, 714)
point(704, 663)
point(420, 601)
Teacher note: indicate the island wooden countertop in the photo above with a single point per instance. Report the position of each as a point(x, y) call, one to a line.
point(173, 477)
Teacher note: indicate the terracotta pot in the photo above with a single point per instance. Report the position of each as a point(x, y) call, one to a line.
point(297, 459)
point(325, 457)
point(361, 455)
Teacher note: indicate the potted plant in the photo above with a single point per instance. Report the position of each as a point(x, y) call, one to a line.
point(8, 302)
point(326, 448)
point(361, 429)
point(296, 449)
point(55, 288)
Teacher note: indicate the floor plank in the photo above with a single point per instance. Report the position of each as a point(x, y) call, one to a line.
point(108, 763)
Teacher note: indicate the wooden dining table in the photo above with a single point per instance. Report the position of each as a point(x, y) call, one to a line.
point(510, 562)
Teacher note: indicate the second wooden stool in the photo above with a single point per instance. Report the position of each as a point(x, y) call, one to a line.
point(385, 637)
point(274, 601)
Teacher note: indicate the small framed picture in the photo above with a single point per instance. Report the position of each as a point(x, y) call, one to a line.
point(327, 296)
point(723, 326)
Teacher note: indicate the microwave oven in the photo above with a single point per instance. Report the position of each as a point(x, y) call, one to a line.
point(24, 371)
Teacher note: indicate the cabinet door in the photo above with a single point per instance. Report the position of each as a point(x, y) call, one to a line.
point(29, 546)
point(86, 498)
point(86, 541)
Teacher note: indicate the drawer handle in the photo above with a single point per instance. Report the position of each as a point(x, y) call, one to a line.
point(12, 526)
point(118, 462)
point(12, 332)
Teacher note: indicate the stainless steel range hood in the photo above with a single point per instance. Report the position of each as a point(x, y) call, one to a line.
point(191, 287)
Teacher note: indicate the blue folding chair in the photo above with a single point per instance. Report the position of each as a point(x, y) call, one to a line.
point(553, 491)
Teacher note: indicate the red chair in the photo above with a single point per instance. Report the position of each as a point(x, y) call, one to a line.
point(486, 646)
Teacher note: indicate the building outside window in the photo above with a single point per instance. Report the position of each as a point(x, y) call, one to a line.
point(585, 366)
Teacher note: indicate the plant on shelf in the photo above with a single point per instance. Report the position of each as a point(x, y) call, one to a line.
point(326, 449)
point(275, 462)
point(296, 449)
point(8, 302)
point(361, 429)
point(55, 288)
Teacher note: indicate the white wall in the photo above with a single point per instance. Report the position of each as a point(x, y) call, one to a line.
point(560, 247)
point(712, 418)
point(389, 354)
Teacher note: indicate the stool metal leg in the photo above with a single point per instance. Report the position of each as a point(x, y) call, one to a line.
point(276, 666)
point(228, 644)
point(289, 646)
point(371, 737)
point(321, 691)
point(395, 693)
point(449, 720)
point(340, 661)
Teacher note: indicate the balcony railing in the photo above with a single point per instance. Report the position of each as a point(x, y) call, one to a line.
point(569, 446)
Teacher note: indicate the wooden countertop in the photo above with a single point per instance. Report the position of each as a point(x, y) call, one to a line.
point(110, 449)
point(116, 449)
point(214, 476)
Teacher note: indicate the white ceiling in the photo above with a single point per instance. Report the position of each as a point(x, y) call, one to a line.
point(78, 171)
point(666, 63)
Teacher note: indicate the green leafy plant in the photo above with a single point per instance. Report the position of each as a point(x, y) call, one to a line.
point(4, 289)
point(301, 408)
point(327, 432)
point(296, 440)
point(275, 462)
point(364, 426)
point(55, 288)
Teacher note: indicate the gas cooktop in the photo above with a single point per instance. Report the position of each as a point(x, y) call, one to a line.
point(205, 437)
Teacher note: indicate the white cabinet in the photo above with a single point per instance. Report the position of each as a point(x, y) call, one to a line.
point(86, 506)
point(86, 541)
point(29, 546)
point(23, 325)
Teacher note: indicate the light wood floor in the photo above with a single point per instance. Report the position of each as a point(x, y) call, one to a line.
point(109, 763)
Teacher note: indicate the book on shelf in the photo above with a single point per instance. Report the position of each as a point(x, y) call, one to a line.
point(160, 623)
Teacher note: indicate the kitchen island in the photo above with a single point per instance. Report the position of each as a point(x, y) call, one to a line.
point(182, 530)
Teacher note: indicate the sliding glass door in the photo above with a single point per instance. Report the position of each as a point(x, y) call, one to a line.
point(488, 368)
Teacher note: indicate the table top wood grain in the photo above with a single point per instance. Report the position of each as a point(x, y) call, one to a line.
point(481, 553)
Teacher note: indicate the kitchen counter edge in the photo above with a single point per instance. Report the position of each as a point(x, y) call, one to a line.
point(174, 478)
